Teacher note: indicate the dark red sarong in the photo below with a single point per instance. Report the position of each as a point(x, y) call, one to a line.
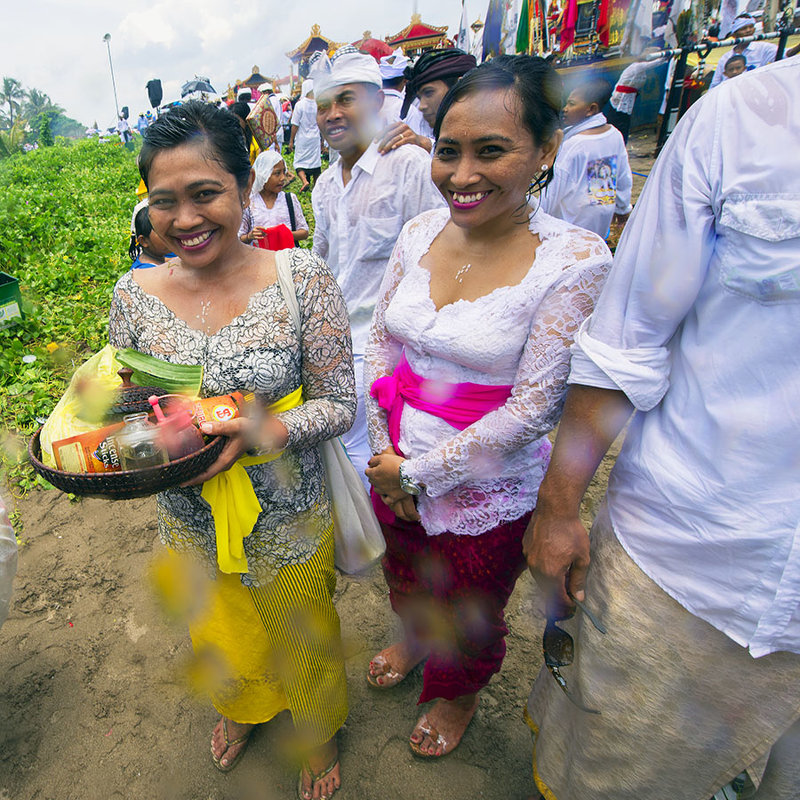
point(451, 591)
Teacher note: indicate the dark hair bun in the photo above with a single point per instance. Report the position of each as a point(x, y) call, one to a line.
point(184, 124)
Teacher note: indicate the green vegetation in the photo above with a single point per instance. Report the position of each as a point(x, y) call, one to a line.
point(64, 222)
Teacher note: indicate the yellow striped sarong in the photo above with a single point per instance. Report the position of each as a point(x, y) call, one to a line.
point(276, 647)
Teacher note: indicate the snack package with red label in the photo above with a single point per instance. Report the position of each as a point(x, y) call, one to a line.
point(220, 409)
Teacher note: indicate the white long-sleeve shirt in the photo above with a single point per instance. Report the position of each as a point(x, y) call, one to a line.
point(591, 181)
point(307, 140)
point(756, 54)
point(357, 225)
point(392, 105)
point(699, 325)
point(634, 76)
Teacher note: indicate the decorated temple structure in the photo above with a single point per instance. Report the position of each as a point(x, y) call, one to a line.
point(250, 83)
point(314, 43)
point(418, 36)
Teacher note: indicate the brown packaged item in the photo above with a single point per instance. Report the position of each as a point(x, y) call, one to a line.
point(77, 453)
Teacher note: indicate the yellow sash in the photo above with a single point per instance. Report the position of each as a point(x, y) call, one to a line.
point(233, 502)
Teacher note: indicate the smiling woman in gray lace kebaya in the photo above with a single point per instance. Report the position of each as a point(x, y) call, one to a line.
point(261, 615)
point(468, 359)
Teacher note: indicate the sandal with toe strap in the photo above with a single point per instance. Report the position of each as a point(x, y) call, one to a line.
point(390, 677)
point(316, 776)
point(426, 729)
point(228, 744)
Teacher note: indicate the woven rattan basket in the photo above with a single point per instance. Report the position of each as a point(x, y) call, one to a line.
point(127, 483)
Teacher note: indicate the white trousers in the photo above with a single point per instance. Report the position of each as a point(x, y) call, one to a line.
point(355, 440)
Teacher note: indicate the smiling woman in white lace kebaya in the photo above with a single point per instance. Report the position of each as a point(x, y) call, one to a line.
point(467, 362)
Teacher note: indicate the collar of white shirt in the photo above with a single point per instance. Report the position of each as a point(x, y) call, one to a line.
point(367, 162)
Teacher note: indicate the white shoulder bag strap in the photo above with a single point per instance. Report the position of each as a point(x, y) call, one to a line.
point(286, 285)
point(358, 539)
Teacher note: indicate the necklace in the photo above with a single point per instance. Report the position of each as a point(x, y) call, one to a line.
point(462, 272)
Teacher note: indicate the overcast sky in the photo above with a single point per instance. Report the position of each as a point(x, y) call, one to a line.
point(57, 46)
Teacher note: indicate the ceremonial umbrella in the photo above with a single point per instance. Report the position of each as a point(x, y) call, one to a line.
point(197, 85)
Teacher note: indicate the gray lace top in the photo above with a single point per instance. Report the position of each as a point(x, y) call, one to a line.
point(259, 351)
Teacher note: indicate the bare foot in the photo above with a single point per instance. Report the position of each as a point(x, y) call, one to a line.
point(319, 761)
point(226, 753)
point(440, 730)
point(392, 665)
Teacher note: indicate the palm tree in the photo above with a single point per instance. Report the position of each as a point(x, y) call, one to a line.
point(11, 141)
point(36, 102)
point(12, 93)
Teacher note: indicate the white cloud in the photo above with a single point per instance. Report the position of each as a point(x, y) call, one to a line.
point(58, 47)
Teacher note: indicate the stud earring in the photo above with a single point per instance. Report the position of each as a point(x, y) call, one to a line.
point(545, 167)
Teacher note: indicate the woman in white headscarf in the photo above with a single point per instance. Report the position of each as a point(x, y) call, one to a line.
point(269, 204)
point(305, 138)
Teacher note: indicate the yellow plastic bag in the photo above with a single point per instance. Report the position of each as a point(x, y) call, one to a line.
point(84, 405)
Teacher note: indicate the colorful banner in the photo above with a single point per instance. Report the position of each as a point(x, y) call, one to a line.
point(524, 28)
point(568, 20)
point(462, 41)
point(493, 29)
point(540, 32)
point(604, 22)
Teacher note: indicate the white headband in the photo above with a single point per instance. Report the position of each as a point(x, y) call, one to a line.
point(741, 22)
point(347, 68)
point(308, 86)
point(263, 166)
point(394, 65)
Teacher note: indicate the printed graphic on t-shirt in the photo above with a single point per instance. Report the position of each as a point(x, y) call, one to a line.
point(601, 179)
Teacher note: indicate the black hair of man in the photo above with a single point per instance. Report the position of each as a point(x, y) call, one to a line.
point(394, 83)
point(594, 90)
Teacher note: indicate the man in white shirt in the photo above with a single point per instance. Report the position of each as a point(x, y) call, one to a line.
point(695, 552)
point(361, 203)
point(626, 90)
point(429, 80)
point(304, 138)
point(393, 78)
point(757, 54)
point(592, 178)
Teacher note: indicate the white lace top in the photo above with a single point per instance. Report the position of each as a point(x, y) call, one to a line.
point(519, 335)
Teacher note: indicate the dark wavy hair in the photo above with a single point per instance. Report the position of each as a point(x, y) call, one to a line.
point(241, 109)
point(189, 122)
point(536, 84)
point(142, 227)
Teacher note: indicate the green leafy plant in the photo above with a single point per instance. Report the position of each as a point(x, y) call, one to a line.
point(45, 134)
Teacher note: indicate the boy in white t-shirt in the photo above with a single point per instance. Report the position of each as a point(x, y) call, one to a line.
point(592, 178)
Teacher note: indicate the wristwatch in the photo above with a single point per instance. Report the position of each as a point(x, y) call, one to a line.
point(407, 485)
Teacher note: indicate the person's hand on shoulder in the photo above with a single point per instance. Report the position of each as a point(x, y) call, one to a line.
point(398, 134)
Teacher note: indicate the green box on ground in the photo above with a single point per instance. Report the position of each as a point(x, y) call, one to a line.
point(10, 301)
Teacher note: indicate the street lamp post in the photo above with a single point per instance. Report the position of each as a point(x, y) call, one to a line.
point(107, 40)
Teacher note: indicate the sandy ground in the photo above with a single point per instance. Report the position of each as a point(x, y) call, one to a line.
point(94, 706)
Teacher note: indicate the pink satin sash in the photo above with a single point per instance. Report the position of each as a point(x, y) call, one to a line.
point(459, 404)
